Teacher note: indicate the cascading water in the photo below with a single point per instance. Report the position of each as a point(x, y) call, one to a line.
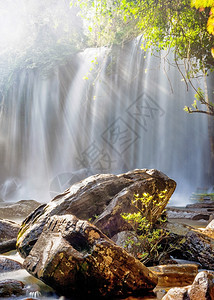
point(100, 113)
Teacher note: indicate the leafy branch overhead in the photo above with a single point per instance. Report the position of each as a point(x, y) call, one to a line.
point(165, 24)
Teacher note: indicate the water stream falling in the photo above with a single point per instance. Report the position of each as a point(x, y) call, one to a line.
point(100, 113)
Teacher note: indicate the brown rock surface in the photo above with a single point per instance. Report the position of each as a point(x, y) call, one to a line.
point(105, 196)
point(8, 230)
point(8, 235)
point(18, 210)
point(74, 257)
point(175, 275)
point(11, 288)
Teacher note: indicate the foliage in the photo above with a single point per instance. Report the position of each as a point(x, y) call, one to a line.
point(50, 35)
point(165, 25)
point(150, 245)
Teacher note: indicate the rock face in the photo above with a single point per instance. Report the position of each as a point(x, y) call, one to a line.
point(105, 196)
point(74, 257)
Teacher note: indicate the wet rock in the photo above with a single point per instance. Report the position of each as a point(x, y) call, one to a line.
point(18, 210)
point(9, 265)
point(11, 288)
point(175, 275)
point(75, 257)
point(105, 196)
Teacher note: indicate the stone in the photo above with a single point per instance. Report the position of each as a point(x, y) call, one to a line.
point(209, 230)
point(100, 198)
point(177, 294)
point(121, 239)
point(8, 230)
point(178, 275)
point(76, 258)
point(202, 210)
point(202, 287)
point(18, 210)
point(8, 235)
point(9, 265)
point(191, 244)
point(11, 288)
point(7, 246)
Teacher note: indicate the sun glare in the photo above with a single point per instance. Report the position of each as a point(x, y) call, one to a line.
point(11, 28)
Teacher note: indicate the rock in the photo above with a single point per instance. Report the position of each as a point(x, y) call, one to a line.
point(209, 230)
point(11, 287)
point(177, 294)
point(202, 288)
point(75, 257)
point(8, 235)
point(175, 275)
point(9, 265)
point(198, 247)
point(191, 244)
point(7, 246)
point(122, 238)
point(105, 196)
point(210, 225)
point(18, 210)
point(111, 222)
point(202, 210)
point(8, 230)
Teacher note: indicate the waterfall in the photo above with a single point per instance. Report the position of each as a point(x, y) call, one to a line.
point(100, 112)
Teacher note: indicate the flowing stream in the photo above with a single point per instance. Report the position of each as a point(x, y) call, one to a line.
point(100, 113)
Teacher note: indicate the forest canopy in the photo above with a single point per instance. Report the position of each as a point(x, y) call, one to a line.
point(184, 27)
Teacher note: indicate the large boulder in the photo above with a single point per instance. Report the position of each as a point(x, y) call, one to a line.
point(75, 257)
point(101, 198)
